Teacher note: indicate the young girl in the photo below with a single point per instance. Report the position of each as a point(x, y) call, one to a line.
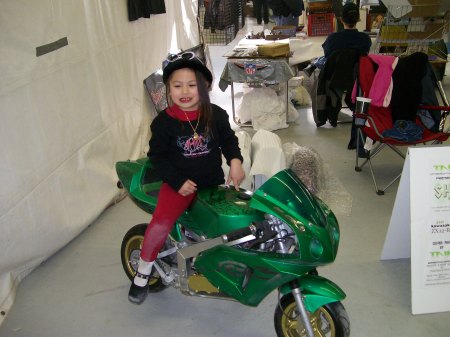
point(186, 147)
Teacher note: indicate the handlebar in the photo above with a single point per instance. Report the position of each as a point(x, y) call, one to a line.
point(243, 232)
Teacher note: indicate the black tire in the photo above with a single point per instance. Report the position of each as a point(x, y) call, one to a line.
point(330, 320)
point(130, 252)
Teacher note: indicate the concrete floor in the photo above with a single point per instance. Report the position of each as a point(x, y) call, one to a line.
point(82, 290)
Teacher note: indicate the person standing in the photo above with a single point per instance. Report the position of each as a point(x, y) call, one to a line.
point(261, 11)
point(286, 12)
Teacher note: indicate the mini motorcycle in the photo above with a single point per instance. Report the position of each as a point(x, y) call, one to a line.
point(241, 245)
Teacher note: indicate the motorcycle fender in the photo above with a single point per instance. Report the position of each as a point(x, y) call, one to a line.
point(317, 291)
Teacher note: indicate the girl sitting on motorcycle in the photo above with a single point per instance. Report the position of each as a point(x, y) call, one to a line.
point(186, 147)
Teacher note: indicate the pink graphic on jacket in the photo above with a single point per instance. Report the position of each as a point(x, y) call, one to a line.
point(194, 147)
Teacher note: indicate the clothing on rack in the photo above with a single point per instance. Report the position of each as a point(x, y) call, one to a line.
point(212, 15)
point(144, 8)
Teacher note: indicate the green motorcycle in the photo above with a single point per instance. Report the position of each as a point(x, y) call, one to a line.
point(241, 245)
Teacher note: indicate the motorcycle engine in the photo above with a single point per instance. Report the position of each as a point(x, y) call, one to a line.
point(276, 236)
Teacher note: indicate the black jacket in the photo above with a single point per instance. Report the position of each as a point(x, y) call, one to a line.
point(337, 77)
point(286, 7)
point(176, 156)
point(143, 8)
point(407, 86)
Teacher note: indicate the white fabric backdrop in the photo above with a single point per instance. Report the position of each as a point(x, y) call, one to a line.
point(68, 116)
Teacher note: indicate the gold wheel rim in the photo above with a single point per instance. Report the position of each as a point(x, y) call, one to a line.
point(321, 321)
point(132, 253)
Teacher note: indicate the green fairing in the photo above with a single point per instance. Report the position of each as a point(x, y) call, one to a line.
point(247, 276)
point(285, 196)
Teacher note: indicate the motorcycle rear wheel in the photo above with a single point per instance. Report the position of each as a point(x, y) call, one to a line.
point(130, 252)
point(330, 320)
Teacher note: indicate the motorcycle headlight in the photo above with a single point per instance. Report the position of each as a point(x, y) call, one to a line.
point(316, 248)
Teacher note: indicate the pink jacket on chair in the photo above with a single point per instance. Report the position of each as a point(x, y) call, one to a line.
point(382, 85)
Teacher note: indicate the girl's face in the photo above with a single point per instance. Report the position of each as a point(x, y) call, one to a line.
point(183, 89)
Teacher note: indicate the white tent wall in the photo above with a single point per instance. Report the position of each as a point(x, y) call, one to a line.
point(67, 116)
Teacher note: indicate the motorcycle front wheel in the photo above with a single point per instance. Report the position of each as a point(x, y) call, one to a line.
point(330, 320)
point(130, 252)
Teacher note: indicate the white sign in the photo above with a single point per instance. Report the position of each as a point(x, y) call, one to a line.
point(422, 208)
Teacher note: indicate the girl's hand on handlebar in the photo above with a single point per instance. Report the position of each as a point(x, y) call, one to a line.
point(187, 188)
point(237, 173)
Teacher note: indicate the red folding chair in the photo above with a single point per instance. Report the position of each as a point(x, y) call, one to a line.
point(379, 119)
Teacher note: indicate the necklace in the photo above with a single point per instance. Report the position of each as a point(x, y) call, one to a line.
point(192, 127)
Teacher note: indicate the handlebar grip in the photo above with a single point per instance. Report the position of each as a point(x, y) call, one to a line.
point(240, 233)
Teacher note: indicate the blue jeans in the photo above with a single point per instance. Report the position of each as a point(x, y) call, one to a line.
point(320, 62)
point(286, 20)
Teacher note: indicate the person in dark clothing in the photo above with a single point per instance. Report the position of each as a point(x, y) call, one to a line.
point(349, 38)
point(186, 147)
point(286, 12)
point(261, 11)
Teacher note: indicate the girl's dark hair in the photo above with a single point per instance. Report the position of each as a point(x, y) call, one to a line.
point(350, 14)
point(205, 108)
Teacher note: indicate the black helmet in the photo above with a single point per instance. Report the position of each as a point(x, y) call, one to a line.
point(185, 60)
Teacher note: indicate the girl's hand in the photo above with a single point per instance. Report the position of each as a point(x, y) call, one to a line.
point(237, 173)
point(187, 188)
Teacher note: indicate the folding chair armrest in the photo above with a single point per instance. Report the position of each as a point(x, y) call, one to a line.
point(360, 119)
point(371, 122)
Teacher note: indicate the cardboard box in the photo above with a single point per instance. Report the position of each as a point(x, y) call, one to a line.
point(394, 33)
point(425, 8)
point(320, 6)
point(275, 49)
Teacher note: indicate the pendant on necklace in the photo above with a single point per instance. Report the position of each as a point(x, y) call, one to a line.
point(195, 135)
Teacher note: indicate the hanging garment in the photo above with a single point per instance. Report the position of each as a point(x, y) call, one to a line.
point(407, 89)
point(143, 8)
point(337, 77)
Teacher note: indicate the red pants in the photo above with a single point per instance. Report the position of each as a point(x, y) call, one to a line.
point(169, 208)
